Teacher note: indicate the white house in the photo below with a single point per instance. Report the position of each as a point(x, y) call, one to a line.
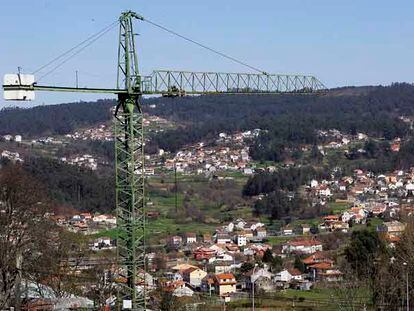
point(260, 232)
point(283, 276)
point(100, 243)
point(240, 223)
point(314, 183)
point(324, 191)
point(223, 238)
point(308, 246)
point(190, 237)
point(253, 277)
point(194, 276)
point(240, 239)
point(181, 289)
point(229, 227)
point(221, 257)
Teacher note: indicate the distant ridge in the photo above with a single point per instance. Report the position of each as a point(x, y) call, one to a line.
point(53, 119)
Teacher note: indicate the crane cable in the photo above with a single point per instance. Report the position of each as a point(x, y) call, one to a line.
point(206, 47)
point(82, 45)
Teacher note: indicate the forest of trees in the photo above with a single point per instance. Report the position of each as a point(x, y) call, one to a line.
point(289, 120)
point(35, 251)
point(281, 199)
point(53, 119)
point(70, 185)
point(288, 179)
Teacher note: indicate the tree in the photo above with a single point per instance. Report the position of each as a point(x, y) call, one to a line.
point(59, 276)
point(298, 264)
point(372, 149)
point(268, 256)
point(246, 266)
point(362, 251)
point(392, 269)
point(350, 293)
point(168, 302)
point(25, 231)
point(275, 262)
point(160, 261)
point(316, 154)
point(101, 286)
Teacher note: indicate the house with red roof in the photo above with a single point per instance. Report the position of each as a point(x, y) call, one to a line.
point(193, 276)
point(324, 271)
point(204, 253)
point(225, 283)
point(315, 258)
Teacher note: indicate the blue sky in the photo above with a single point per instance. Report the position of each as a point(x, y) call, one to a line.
point(341, 42)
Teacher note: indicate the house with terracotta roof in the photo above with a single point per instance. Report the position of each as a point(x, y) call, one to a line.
point(203, 253)
point(179, 289)
point(193, 276)
point(395, 228)
point(323, 191)
point(324, 271)
point(331, 218)
point(357, 214)
point(225, 284)
point(338, 226)
point(315, 258)
point(302, 246)
point(391, 231)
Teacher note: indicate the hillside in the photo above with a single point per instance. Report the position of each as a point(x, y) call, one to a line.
point(288, 123)
point(375, 107)
point(53, 119)
point(288, 119)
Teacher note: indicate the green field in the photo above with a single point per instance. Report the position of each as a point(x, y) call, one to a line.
point(338, 207)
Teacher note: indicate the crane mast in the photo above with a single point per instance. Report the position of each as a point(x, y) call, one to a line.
point(129, 137)
point(129, 170)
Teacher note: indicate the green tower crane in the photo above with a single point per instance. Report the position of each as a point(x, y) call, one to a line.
point(129, 135)
point(129, 168)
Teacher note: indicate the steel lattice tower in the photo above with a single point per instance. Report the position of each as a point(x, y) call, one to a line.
point(129, 166)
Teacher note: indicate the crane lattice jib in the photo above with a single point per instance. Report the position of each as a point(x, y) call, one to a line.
point(163, 81)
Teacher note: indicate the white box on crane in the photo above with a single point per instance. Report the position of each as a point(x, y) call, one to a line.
point(18, 80)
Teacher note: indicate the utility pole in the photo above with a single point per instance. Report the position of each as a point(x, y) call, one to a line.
point(408, 292)
point(405, 264)
point(76, 79)
point(176, 188)
point(253, 285)
point(18, 281)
